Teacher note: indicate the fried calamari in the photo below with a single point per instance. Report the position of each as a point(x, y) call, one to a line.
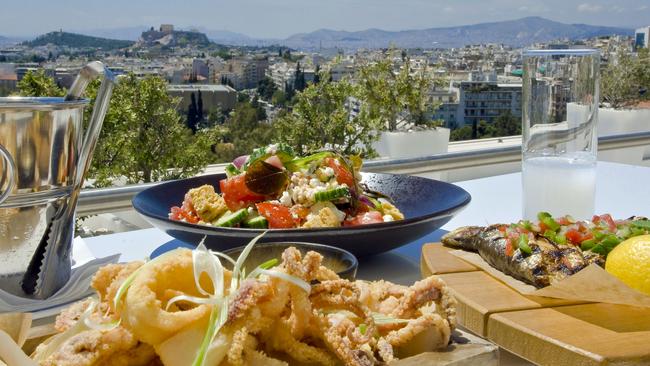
point(270, 319)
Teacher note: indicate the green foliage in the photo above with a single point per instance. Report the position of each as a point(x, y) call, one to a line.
point(144, 139)
point(321, 118)
point(397, 96)
point(279, 98)
point(624, 82)
point(299, 83)
point(480, 130)
point(507, 124)
point(37, 84)
point(266, 88)
point(245, 132)
point(74, 40)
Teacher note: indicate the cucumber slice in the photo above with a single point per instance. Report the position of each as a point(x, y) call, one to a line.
point(332, 194)
point(230, 219)
point(232, 170)
point(258, 222)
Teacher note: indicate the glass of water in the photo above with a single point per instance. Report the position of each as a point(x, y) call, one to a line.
point(560, 140)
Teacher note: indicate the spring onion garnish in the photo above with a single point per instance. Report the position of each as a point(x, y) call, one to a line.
point(57, 341)
point(363, 328)
point(12, 354)
point(289, 278)
point(380, 318)
point(236, 271)
point(99, 326)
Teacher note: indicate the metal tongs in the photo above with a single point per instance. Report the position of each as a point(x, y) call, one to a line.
point(50, 266)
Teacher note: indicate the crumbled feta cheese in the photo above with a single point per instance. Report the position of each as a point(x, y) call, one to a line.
point(388, 218)
point(327, 171)
point(285, 199)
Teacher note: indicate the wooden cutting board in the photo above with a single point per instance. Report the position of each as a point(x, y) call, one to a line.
point(543, 330)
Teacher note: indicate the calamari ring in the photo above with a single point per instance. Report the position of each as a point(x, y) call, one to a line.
point(143, 312)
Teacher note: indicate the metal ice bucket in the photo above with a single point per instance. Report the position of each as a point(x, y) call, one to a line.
point(44, 156)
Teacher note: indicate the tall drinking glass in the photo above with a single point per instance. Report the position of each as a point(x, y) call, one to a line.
point(559, 117)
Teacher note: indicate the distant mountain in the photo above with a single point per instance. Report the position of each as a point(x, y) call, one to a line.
point(8, 41)
point(518, 33)
point(78, 41)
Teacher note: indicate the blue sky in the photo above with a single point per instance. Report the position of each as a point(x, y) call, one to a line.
point(281, 18)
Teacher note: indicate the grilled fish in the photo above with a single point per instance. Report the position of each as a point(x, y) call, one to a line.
point(547, 263)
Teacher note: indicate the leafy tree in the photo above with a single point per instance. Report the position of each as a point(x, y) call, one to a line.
point(244, 130)
point(396, 96)
point(322, 117)
point(317, 74)
point(144, 139)
point(299, 79)
point(199, 108)
point(38, 84)
point(289, 91)
point(626, 81)
point(506, 124)
point(216, 116)
point(192, 113)
point(266, 88)
point(279, 98)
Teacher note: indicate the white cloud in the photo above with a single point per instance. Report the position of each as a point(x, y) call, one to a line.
point(617, 9)
point(523, 8)
point(643, 7)
point(448, 9)
point(589, 8)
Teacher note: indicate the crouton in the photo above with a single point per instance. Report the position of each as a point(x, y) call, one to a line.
point(207, 203)
point(326, 217)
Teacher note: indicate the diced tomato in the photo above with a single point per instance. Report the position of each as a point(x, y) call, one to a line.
point(179, 214)
point(542, 227)
point(574, 236)
point(275, 161)
point(236, 194)
point(607, 218)
point(279, 216)
point(509, 248)
point(343, 176)
point(563, 221)
point(365, 218)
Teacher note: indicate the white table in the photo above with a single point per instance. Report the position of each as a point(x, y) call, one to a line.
point(621, 190)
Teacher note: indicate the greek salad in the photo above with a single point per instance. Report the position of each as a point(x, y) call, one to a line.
point(274, 188)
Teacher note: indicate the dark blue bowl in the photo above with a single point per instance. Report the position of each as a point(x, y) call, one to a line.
point(427, 204)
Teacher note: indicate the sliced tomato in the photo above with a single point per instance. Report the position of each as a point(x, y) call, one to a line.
point(365, 218)
point(236, 194)
point(279, 216)
point(179, 214)
point(343, 176)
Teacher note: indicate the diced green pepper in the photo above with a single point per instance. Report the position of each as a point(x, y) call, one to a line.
point(588, 244)
point(644, 224)
point(526, 225)
point(523, 244)
point(231, 170)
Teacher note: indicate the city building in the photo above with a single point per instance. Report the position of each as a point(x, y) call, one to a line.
point(486, 100)
point(642, 37)
point(213, 96)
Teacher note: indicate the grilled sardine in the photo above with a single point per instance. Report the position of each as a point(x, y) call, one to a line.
point(547, 263)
